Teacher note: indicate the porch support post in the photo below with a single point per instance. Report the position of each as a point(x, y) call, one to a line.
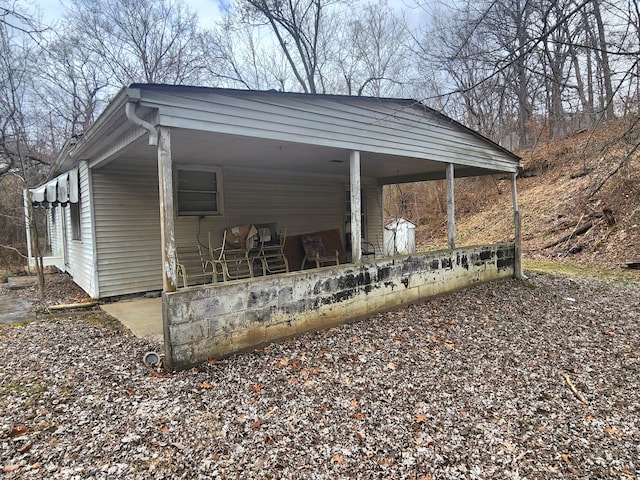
point(27, 218)
point(356, 207)
point(451, 209)
point(517, 261)
point(167, 230)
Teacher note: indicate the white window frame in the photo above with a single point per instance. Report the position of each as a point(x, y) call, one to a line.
point(75, 216)
point(217, 190)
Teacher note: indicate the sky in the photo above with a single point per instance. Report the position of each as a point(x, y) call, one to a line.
point(209, 11)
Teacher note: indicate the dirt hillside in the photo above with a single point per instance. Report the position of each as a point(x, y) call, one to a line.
point(579, 197)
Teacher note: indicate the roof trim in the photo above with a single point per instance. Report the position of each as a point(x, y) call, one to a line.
point(74, 149)
point(136, 88)
point(69, 155)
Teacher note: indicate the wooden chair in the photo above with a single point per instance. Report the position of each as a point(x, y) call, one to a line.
point(191, 265)
point(271, 253)
point(314, 251)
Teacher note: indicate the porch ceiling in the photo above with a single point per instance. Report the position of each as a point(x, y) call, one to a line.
point(207, 148)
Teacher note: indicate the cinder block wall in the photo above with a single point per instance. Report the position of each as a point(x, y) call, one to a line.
point(217, 320)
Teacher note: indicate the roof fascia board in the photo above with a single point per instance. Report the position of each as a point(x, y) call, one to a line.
point(110, 153)
point(439, 175)
point(470, 130)
point(502, 164)
point(236, 92)
point(71, 153)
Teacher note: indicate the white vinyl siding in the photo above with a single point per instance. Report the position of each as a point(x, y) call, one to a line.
point(80, 262)
point(127, 222)
point(299, 202)
point(393, 127)
point(373, 197)
point(56, 224)
point(128, 219)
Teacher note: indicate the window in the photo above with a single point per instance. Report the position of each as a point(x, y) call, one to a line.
point(76, 225)
point(199, 191)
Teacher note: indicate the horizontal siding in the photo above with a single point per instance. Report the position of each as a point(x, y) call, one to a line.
point(80, 263)
point(387, 127)
point(127, 219)
point(56, 224)
point(373, 197)
point(128, 222)
point(296, 201)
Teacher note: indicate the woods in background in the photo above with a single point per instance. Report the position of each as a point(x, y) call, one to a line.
point(518, 71)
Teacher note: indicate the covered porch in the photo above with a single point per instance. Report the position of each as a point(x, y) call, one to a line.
point(170, 167)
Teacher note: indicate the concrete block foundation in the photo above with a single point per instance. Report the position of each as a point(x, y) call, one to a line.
point(217, 320)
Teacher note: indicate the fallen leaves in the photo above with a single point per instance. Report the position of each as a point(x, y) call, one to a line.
point(19, 431)
point(494, 404)
point(447, 343)
point(613, 431)
point(10, 468)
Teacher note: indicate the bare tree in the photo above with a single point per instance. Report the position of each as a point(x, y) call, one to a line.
point(553, 61)
point(247, 57)
point(370, 50)
point(153, 41)
point(18, 158)
point(297, 26)
point(72, 89)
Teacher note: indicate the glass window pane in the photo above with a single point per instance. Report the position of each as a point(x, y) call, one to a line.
point(198, 181)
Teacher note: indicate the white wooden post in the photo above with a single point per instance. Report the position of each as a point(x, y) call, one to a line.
point(27, 218)
point(167, 230)
point(517, 263)
point(451, 208)
point(356, 207)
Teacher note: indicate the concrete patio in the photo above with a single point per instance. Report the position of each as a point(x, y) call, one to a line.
point(143, 316)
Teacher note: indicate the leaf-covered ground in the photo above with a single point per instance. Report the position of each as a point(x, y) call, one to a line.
point(579, 199)
point(537, 379)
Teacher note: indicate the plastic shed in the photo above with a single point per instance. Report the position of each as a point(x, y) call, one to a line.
point(399, 237)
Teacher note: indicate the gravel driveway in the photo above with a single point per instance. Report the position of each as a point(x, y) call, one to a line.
point(537, 379)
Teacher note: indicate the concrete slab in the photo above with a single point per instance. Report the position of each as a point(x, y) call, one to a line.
point(15, 310)
point(17, 283)
point(143, 316)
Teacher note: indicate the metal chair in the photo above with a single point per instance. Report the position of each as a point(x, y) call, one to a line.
point(235, 263)
point(271, 253)
point(191, 265)
point(367, 249)
point(314, 251)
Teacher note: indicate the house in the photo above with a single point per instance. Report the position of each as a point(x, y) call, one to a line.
point(165, 166)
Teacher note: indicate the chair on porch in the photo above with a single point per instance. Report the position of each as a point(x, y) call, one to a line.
point(367, 249)
point(234, 263)
point(271, 253)
point(193, 267)
point(314, 251)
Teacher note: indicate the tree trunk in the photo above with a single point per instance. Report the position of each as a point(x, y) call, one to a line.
point(604, 61)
